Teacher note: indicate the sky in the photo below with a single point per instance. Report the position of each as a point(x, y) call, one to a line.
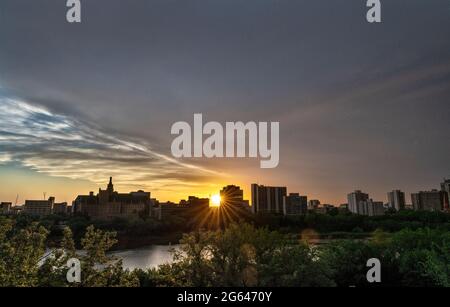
point(360, 106)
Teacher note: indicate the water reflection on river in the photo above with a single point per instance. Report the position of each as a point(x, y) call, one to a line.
point(145, 257)
point(154, 255)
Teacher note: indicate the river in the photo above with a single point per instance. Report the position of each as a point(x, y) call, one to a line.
point(154, 255)
point(145, 257)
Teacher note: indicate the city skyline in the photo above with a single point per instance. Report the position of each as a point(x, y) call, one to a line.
point(229, 205)
point(360, 106)
point(213, 196)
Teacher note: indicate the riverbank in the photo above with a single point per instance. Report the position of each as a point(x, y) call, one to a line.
point(131, 242)
point(126, 242)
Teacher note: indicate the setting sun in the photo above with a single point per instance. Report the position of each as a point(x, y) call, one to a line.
point(215, 200)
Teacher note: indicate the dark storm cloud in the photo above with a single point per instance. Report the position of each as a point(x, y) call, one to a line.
point(347, 93)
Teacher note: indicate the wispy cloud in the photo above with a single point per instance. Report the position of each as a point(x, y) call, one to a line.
point(59, 145)
point(4, 158)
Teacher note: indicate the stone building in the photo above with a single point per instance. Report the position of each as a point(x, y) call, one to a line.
point(109, 204)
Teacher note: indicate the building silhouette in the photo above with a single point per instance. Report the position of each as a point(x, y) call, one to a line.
point(232, 197)
point(371, 208)
point(294, 204)
point(354, 200)
point(267, 199)
point(62, 208)
point(360, 203)
point(313, 204)
point(433, 200)
point(109, 204)
point(5, 207)
point(164, 210)
point(39, 207)
point(195, 202)
point(191, 207)
point(396, 200)
point(445, 187)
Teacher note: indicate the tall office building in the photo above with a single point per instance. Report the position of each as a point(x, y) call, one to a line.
point(396, 200)
point(294, 204)
point(370, 207)
point(373, 208)
point(433, 200)
point(267, 199)
point(354, 199)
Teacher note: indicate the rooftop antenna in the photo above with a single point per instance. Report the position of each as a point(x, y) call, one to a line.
point(45, 194)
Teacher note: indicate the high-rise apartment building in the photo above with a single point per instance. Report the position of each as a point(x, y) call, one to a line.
point(445, 187)
point(396, 200)
point(354, 199)
point(433, 200)
point(267, 199)
point(370, 207)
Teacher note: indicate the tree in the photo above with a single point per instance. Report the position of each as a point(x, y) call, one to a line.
point(242, 255)
point(20, 254)
point(97, 268)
